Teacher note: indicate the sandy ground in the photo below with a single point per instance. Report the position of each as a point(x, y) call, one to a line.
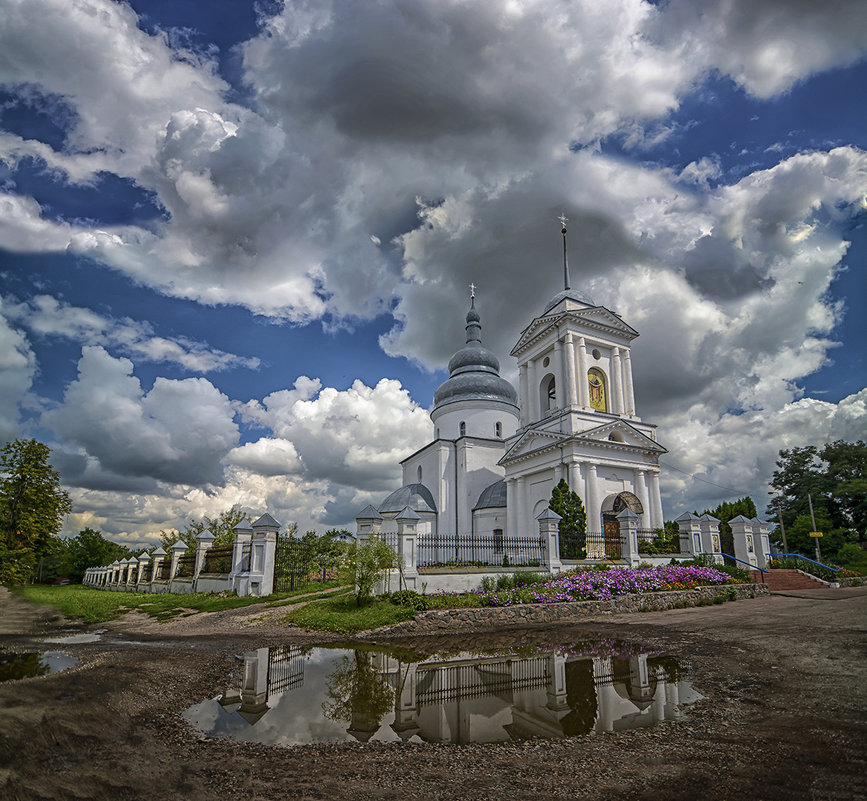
point(784, 716)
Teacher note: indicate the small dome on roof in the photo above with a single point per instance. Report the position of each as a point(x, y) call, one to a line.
point(493, 496)
point(474, 372)
point(570, 294)
point(416, 496)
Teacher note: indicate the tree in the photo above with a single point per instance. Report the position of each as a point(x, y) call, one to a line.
point(371, 560)
point(573, 521)
point(745, 506)
point(221, 527)
point(90, 549)
point(32, 507)
point(834, 477)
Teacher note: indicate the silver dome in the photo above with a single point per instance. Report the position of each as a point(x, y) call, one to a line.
point(416, 496)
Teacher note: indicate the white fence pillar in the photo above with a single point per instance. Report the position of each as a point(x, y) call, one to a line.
point(744, 540)
point(710, 538)
point(407, 551)
point(204, 541)
point(178, 550)
point(263, 555)
point(241, 557)
point(629, 536)
point(763, 542)
point(690, 534)
point(549, 535)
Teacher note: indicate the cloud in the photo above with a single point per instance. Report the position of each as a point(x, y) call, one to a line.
point(267, 457)
point(178, 432)
point(353, 438)
point(17, 369)
point(44, 315)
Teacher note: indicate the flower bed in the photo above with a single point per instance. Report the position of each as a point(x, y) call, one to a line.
point(602, 585)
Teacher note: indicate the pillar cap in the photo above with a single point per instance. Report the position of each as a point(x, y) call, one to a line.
point(407, 514)
point(709, 517)
point(740, 519)
point(180, 545)
point(159, 552)
point(686, 517)
point(368, 513)
point(627, 514)
point(548, 514)
point(205, 536)
point(266, 521)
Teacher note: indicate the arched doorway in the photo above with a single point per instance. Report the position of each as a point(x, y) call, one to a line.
point(612, 506)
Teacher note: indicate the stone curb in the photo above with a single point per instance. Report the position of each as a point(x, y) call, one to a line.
point(437, 621)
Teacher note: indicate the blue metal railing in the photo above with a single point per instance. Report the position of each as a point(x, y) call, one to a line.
point(749, 565)
point(805, 558)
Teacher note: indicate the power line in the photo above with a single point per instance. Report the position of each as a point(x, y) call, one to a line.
point(696, 478)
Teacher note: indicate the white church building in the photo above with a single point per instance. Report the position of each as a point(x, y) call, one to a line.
point(497, 453)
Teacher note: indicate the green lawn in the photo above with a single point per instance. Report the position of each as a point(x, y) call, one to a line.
point(97, 606)
point(342, 615)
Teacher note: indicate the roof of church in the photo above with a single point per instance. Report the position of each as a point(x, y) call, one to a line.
point(416, 496)
point(474, 372)
point(493, 496)
point(570, 294)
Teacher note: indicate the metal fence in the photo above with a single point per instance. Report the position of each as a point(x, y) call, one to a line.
point(186, 566)
point(592, 545)
point(439, 683)
point(218, 560)
point(478, 550)
point(292, 565)
point(285, 668)
point(165, 570)
point(146, 573)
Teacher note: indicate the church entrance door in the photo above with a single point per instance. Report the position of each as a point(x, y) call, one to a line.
point(611, 536)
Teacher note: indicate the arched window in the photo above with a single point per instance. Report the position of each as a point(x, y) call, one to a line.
point(598, 389)
point(499, 429)
point(418, 475)
point(548, 394)
point(463, 428)
point(552, 393)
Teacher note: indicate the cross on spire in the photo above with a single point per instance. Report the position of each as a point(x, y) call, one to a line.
point(563, 220)
point(472, 291)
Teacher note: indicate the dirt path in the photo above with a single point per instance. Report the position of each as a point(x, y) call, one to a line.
point(784, 715)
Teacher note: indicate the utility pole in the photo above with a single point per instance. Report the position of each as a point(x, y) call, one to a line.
point(813, 519)
point(782, 528)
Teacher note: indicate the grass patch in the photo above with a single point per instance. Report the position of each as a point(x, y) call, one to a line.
point(98, 606)
point(342, 615)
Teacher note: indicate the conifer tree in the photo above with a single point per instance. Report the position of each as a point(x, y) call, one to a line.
point(573, 521)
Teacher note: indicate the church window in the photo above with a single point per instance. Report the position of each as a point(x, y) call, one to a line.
point(498, 540)
point(546, 361)
point(418, 475)
point(596, 354)
point(598, 393)
point(499, 430)
point(552, 394)
point(463, 428)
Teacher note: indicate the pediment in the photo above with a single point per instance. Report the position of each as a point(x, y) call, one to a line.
point(619, 432)
point(532, 440)
point(596, 318)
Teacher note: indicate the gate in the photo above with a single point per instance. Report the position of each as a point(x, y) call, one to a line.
point(611, 537)
point(292, 565)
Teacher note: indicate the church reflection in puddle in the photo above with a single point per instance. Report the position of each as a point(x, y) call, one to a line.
point(293, 695)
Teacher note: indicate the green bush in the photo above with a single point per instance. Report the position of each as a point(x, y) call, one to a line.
point(410, 599)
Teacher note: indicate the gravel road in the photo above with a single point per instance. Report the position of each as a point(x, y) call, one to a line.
point(783, 718)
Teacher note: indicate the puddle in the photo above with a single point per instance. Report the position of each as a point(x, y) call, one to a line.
point(292, 695)
point(23, 666)
point(77, 639)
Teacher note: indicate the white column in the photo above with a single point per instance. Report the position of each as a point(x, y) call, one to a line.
point(592, 506)
point(525, 396)
point(533, 393)
point(616, 382)
point(627, 383)
point(511, 507)
point(641, 492)
point(656, 518)
point(560, 380)
point(576, 482)
point(583, 390)
point(521, 529)
point(569, 371)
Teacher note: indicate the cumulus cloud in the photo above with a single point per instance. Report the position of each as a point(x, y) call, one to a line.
point(354, 437)
point(45, 315)
point(177, 432)
point(17, 369)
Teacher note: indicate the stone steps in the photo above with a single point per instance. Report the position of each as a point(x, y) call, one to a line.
point(778, 580)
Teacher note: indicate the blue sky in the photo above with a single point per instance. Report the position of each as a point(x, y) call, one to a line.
point(236, 238)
